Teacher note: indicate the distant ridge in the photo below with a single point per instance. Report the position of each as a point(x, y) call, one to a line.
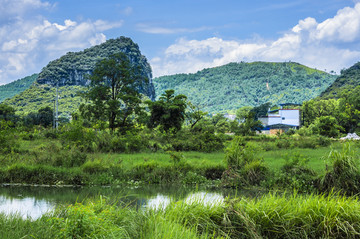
point(10, 90)
point(229, 87)
point(348, 80)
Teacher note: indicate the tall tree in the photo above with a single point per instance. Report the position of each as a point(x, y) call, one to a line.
point(46, 116)
point(242, 113)
point(6, 112)
point(112, 94)
point(168, 112)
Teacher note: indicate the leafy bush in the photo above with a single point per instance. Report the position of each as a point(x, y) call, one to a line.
point(344, 174)
point(8, 141)
point(296, 174)
point(202, 141)
point(94, 220)
point(118, 144)
point(244, 167)
point(283, 143)
point(70, 158)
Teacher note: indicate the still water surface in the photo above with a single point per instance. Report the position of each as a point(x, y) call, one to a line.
point(33, 202)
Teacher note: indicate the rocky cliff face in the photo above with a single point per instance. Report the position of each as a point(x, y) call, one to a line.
point(75, 67)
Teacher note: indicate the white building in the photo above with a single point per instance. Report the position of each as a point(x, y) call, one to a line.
point(281, 119)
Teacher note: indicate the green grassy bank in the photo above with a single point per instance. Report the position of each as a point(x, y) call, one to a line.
point(271, 216)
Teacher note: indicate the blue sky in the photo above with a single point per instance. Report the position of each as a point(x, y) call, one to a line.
point(181, 36)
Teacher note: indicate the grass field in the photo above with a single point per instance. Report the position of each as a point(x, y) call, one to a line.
point(47, 161)
point(274, 159)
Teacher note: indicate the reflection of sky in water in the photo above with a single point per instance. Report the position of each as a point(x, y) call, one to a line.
point(158, 202)
point(205, 198)
point(25, 207)
point(34, 202)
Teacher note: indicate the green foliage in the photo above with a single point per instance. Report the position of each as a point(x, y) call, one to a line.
point(197, 140)
point(244, 166)
point(7, 112)
point(329, 117)
point(315, 108)
point(42, 174)
point(249, 126)
point(326, 126)
point(112, 94)
point(41, 96)
point(8, 140)
point(94, 220)
point(194, 114)
point(75, 134)
point(46, 116)
point(344, 173)
point(234, 85)
point(10, 90)
point(349, 79)
point(270, 216)
point(296, 174)
point(242, 112)
point(168, 112)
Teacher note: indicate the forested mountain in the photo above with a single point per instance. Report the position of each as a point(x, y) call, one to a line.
point(70, 72)
point(348, 80)
point(16, 87)
point(234, 85)
point(73, 68)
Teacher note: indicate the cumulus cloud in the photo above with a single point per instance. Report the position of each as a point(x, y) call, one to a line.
point(325, 45)
point(28, 44)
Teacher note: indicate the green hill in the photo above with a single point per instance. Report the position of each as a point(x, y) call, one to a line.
point(348, 80)
point(234, 85)
point(70, 73)
point(16, 87)
point(38, 96)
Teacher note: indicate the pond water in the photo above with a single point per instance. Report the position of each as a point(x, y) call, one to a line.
point(34, 201)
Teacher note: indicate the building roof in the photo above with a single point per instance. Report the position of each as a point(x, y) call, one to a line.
point(285, 104)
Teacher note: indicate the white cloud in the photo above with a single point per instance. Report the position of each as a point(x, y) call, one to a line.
point(12, 10)
point(344, 27)
point(28, 44)
point(325, 45)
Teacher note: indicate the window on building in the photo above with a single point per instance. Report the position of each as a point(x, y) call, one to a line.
point(283, 118)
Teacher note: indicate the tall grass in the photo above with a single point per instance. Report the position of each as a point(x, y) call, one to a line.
point(271, 216)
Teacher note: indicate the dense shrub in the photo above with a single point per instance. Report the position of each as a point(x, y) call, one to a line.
point(344, 175)
point(40, 174)
point(83, 138)
point(244, 166)
point(296, 174)
point(8, 140)
point(202, 141)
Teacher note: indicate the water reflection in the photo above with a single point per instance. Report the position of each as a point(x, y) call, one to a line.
point(204, 198)
point(27, 207)
point(33, 202)
point(158, 202)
